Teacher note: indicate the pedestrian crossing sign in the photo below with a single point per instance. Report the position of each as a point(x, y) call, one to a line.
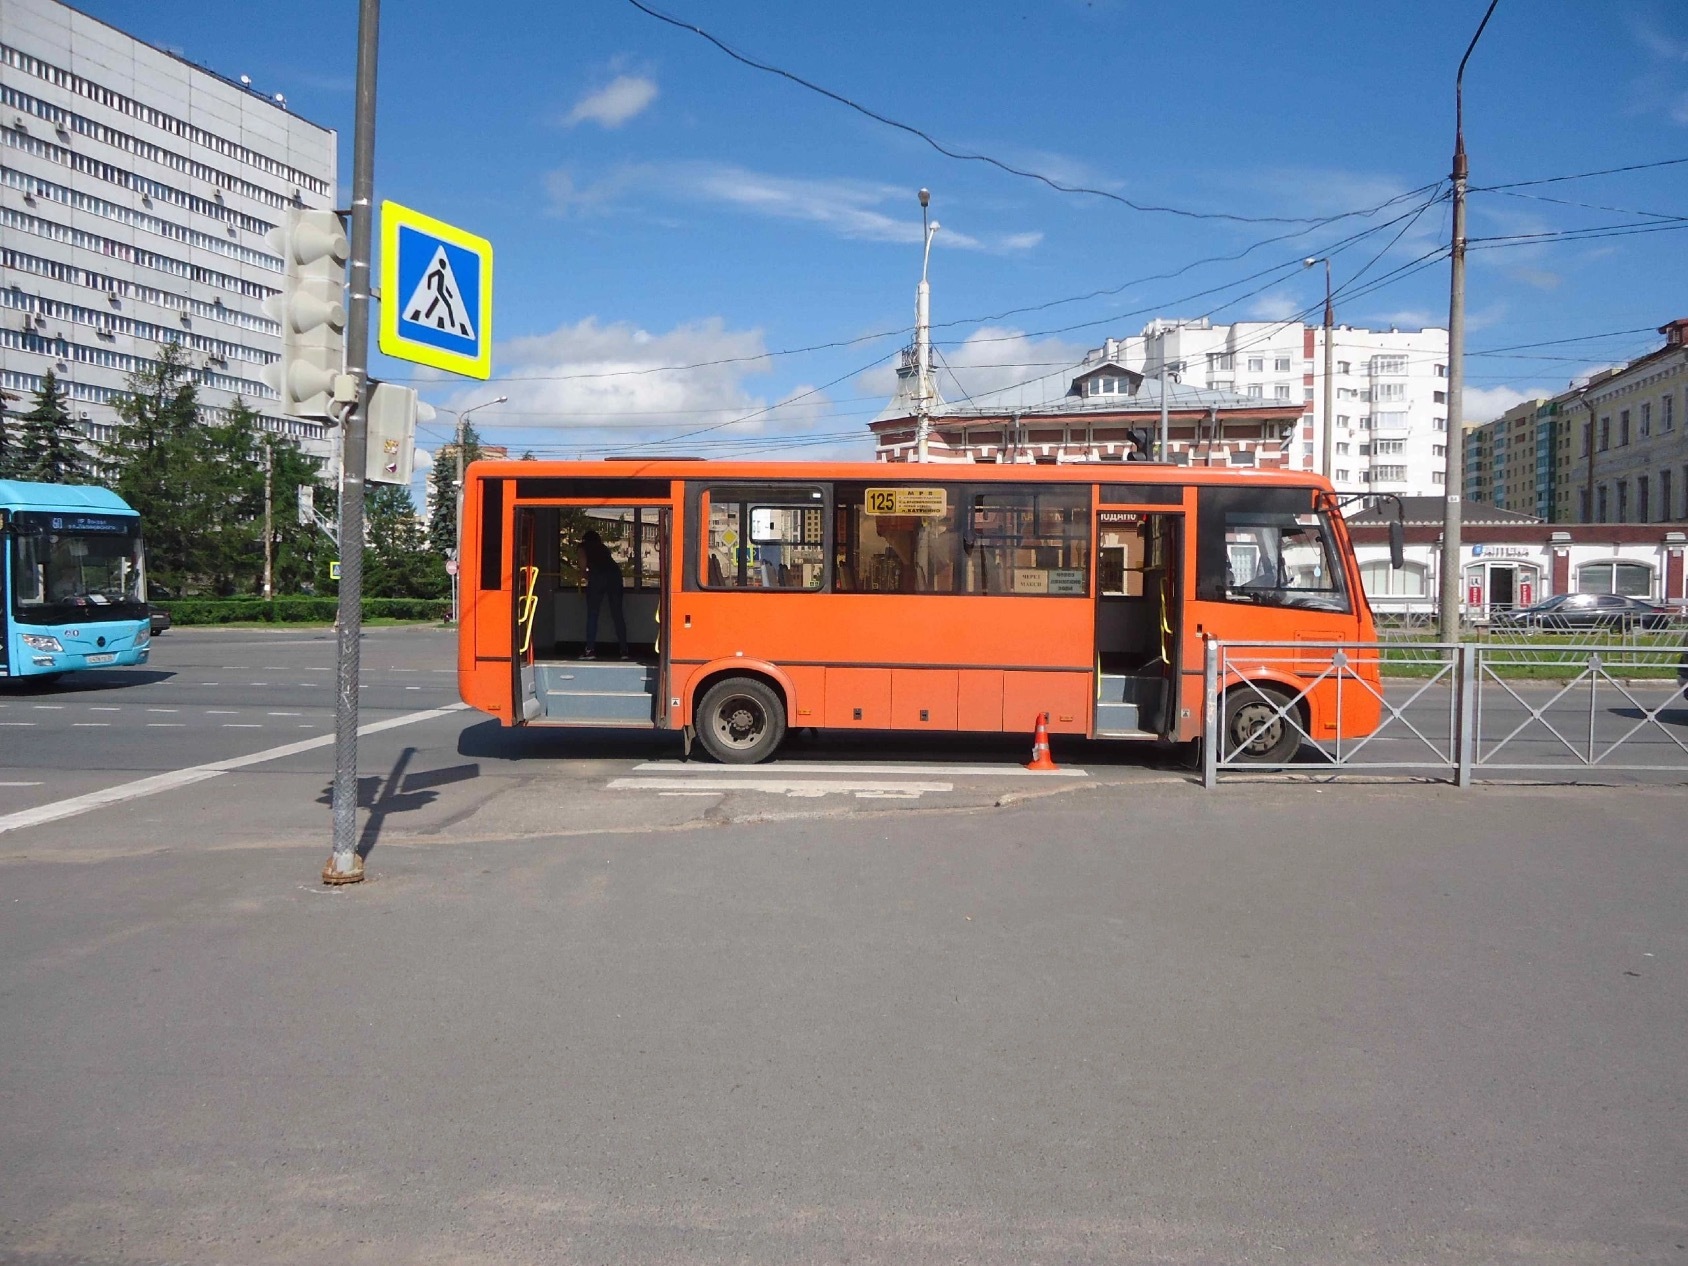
point(436, 293)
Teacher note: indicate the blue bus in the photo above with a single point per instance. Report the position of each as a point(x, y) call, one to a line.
point(72, 580)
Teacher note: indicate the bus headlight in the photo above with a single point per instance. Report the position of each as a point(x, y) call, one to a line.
point(41, 642)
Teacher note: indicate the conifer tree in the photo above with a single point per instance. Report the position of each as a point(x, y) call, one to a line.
point(399, 563)
point(153, 464)
point(11, 441)
point(442, 492)
point(50, 439)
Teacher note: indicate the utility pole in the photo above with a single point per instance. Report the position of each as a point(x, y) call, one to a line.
point(457, 510)
point(1451, 625)
point(923, 339)
point(1330, 381)
point(345, 866)
point(269, 529)
point(1162, 449)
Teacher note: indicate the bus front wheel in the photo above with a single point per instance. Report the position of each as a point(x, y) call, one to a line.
point(741, 721)
point(1255, 733)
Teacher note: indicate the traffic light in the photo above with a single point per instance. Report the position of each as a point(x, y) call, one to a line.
point(393, 415)
point(312, 310)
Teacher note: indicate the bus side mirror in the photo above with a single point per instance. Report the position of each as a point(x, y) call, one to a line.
point(1397, 544)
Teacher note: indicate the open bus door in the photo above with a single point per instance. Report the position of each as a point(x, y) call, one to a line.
point(556, 682)
point(1139, 624)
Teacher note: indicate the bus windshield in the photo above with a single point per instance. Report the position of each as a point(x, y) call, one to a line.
point(90, 569)
point(1284, 560)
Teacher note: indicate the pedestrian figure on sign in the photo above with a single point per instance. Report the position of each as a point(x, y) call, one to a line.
point(603, 580)
point(435, 279)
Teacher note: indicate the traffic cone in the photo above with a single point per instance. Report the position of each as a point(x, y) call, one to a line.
point(1040, 746)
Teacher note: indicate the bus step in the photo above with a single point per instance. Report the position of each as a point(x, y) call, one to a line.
point(595, 676)
point(561, 705)
point(1113, 718)
point(1121, 688)
point(1126, 734)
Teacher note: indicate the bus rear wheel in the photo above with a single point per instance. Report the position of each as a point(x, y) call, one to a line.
point(741, 721)
point(1254, 732)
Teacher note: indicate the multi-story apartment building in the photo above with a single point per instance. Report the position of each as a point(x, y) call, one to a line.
point(1390, 391)
point(136, 190)
point(1510, 462)
point(1623, 441)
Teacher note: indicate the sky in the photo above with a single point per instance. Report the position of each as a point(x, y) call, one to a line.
point(695, 255)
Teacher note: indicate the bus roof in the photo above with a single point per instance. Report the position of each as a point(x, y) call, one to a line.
point(904, 472)
point(17, 495)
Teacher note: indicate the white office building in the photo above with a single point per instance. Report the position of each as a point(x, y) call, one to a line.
point(136, 190)
point(1391, 410)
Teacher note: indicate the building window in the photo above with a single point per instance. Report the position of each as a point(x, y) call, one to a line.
point(1587, 437)
point(1623, 501)
point(1256, 365)
point(1380, 580)
point(1342, 447)
point(1439, 424)
point(1438, 450)
point(1255, 391)
point(1220, 361)
point(1666, 408)
point(1389, 391)
point(1605, 434)
point(1582, 505)
point(1365, 425)
point(1389, 474)
point(1389, 446)
point(1664, 495)
point(1388, 365)
point(1342, 419)
point(1438, 476)
point(1641, 506)
point(1307, 449)
point(1342, 367)
point(1600, 500)
point(1439, 397)
point(1441, 371)
point(1280, 392)
point(1342, 476)
point(1632, 580)
point(1623, 427)
point(1646, 419)
point(1280, 365)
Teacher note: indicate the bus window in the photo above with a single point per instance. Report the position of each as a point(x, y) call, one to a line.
point(897, 540)
point(1028, 540)
point(763, 537)
point(1279, 555)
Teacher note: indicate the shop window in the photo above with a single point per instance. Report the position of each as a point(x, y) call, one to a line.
point(1383, 581)
point(764, 537)
point(1631, 580)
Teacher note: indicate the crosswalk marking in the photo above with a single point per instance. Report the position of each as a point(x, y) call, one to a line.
point(800, 787)
point(806, 767)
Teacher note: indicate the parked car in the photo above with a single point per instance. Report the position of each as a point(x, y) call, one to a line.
point(1682, 674)
point(1568, 612)
point(160, 619)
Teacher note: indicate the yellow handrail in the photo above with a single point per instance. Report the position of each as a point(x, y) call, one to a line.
point(526, 607)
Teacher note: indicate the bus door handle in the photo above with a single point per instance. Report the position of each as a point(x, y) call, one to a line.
point(688, 620)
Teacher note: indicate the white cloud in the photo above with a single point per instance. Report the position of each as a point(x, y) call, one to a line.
point(621, 99)
point(1275, 306)
point(856, 209)
point(595, 388)
point(1485, 404)
point(989, 359)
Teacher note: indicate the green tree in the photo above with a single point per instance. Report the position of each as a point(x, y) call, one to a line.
point(442, 491)
point(398, 562)
point(153, 464)
point(11, 441)
point(50, 439)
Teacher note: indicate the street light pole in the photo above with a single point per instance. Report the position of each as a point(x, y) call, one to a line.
point(457, 512)
point(1330, 382)
point(1449, 620)
point(923, 338)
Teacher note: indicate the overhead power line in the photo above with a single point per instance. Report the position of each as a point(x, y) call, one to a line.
point(967, 156)
point(1581, 175)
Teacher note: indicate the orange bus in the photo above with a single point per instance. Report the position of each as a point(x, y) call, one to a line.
point(761, 597)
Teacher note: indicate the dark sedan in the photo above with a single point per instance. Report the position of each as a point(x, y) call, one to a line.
point(160, 619)
point(1568, 612)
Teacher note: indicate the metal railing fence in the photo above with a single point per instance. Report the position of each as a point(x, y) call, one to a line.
point(1447, 711)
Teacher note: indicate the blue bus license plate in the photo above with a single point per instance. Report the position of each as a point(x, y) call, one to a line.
point(106, 658)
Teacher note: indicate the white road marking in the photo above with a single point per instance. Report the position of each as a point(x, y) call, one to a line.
point(709, 794)
point(776, 786)
point(198, 773)
point(17, 723)
point(90, 725)
point(806, 767)
point(19, 784)
point(105, 709)
point(163, 709)
point(284, 714)
point(220, 712)
point(49, 707)
point(242, 725)
point(166, 725)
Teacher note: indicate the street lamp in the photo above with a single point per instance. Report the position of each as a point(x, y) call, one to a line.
point(1454, 450)
point(1330, 388)
point(457, 553)
point(923, 337)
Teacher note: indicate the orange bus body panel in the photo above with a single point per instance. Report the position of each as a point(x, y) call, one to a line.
point(916, 661)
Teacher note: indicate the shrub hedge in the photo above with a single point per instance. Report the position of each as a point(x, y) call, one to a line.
point(298, 610)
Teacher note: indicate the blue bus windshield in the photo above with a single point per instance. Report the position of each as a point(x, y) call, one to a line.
point(76, 568)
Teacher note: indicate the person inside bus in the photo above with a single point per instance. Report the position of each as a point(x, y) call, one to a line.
point(603, 580)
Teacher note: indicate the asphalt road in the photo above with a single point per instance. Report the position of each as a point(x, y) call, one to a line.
point(1272, 1023)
